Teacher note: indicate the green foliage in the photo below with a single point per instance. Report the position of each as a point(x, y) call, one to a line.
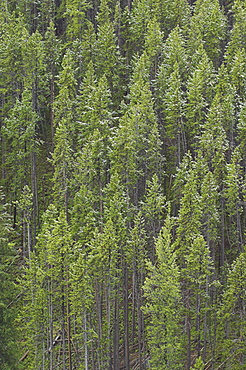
point(76, 15)
point(110, 110)
point(19, 133)
point(46, 282)
point(137, 141)
point(232, 316)
point(199, 97)
point(213, 142)
point(13, 35)
point(153, 208)
point(33, 60)
point(189, 223)
point(237, 39)
point(199, 365)
point(211, 23)
point(67, 90)
point(153, 39)
point(108, 60)
point(162, 292)
point(8, 292)
point(174, 53)
point(94, 107)
point(173, 111)
point(210, 210)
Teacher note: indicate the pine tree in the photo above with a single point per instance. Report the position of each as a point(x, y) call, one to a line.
point(135, 272)
point(213, 142)
point(75, 13)
point(171, 14)
point(106, 263)
point(94, 108)
point(105, 274)
point(9, 292)
point(196, 264)
point(19, 133)
point(195, 274)
point(233, 200)
point(241, 134)
point(211, 23)
point(231, 348)
point(174, 127)
point(228, 104)
point(173, 54)
point(65, 132)
point(13, 36)
point(199, 97)
point(108, 60)
point(87, 44)
point(137, 140)
point(199, 365)
point(153, 209)
point(153, 44)
point(47, 281)
point(81, 291)
point(62, 162)
point(210, 204)
point(51, 60)
point(163, 298)
point(237, 34)
point(139, 18)
point(65, 99)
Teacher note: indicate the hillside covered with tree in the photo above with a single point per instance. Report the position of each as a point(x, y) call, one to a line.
point(123, 189)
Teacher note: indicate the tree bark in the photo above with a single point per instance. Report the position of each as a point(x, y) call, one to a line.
point(116, 362)
point(126, 325)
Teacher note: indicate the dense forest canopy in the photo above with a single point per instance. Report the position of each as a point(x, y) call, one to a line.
point(123, 160)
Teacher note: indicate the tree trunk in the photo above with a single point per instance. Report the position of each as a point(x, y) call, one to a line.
point(116, 362)
point(126, 326)
point(222, 248)
point(70, 367)
point(52, 98)
point(50, 324)
point(35, 194)
point(85, 342)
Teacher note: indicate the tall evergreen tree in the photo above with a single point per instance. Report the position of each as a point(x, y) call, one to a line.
point(64, 133)
point(232, 318)
point(163, 299)
point(19, 133)
point(108, 60)
point(137, 140)
point(9, 291)
point(199, 97)
point(174, 125)
point(47, 281)
point(211, 23)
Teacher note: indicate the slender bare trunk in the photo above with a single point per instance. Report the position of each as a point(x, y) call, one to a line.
point(29, 240)
point(198, 322)
point(85, 343)
point(51, 324)
point(188, 329)
point(126, 326)
point(70, 367)
point(108, 313)
point(52, 93)
point(133, 302)
point(63, 336)
point(222, 249)
point(116, 364)
point(35, 194)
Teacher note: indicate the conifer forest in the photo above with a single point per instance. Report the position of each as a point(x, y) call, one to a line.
point(123, 184)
